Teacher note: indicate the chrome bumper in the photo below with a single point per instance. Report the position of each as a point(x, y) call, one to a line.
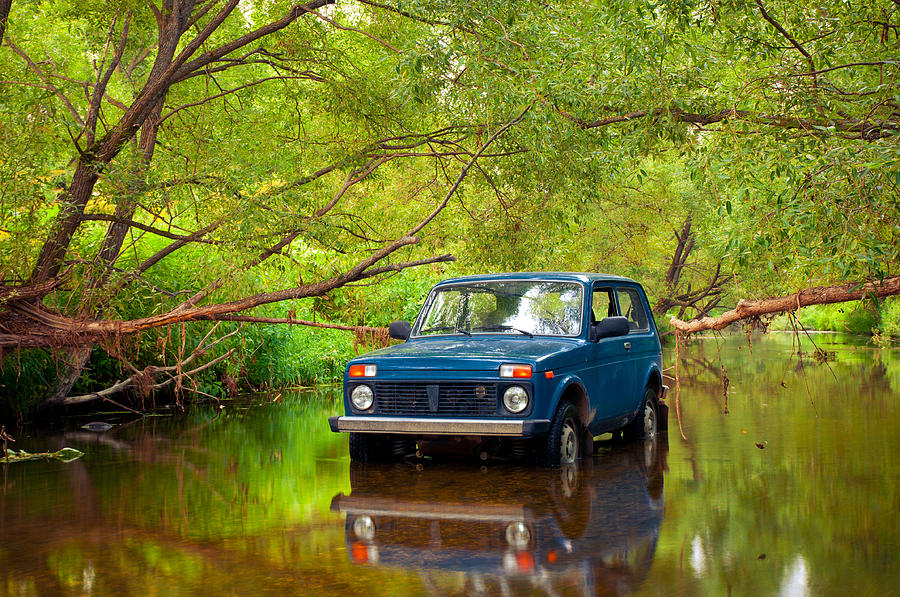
point(434, 426)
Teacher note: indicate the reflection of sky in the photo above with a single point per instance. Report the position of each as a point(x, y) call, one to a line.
point(796, 580)
point(535, 303)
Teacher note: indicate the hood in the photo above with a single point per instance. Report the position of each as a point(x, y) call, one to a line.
point(474, 353)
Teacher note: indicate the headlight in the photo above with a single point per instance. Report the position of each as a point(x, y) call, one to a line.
point(515, 399)
point(362, 397)
point(364, 528)
point(518, 535)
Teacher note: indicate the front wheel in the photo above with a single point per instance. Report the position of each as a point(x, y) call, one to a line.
point(562, 444)
point(646, 423)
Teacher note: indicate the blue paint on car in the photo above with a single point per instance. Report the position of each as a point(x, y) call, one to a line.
point(583, 348)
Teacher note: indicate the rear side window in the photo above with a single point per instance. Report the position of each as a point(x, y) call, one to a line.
point(603, 305)
point(632, 308)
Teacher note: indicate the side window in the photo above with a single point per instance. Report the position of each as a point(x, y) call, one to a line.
point(602, 305)
point(633, 308)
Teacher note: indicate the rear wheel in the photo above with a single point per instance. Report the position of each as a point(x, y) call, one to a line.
point(646, 423)
point(562, 444)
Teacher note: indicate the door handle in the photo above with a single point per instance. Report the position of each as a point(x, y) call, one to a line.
point(627, 346)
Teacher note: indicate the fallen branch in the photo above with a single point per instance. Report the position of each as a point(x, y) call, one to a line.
point(817, 295)
point(291, 321)
point(144, 381)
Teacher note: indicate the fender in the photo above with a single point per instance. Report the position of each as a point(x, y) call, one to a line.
point(565, 383)
point(653, 369)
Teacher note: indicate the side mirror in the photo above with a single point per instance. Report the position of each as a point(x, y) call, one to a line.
point(400, 330)
point(609, 327)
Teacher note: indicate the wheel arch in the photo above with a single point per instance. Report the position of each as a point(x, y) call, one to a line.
point(654, 382)
point(573, 391)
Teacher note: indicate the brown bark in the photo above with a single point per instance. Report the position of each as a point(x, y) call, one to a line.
point(168, 69)
point(72, 359)
point(5, 6)
point(35, 326)
point(702, 299)
point(818, 295)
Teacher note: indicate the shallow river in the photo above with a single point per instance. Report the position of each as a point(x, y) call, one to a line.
point(791, 486)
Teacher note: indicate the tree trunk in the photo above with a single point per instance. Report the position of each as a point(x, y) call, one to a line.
point(818, 295)
point(73, 201)
point(5, 6)
point(72, 363)
point(84, 181)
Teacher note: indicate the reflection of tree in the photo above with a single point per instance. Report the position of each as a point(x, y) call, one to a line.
point(820, 489)
point(549, 308)
point(207, 504)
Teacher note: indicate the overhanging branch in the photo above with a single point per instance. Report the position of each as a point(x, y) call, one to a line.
point(818, 295)
point(859, 128)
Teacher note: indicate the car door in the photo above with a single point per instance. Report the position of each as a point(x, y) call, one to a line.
point(610, 375)
point(640, 344)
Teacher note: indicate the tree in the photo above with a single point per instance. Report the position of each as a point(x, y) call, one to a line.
point(302, 148)
point(176, 61)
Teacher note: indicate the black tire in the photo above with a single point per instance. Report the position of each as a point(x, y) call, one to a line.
point(366, 447)
point(562, 445)
point(646, 422)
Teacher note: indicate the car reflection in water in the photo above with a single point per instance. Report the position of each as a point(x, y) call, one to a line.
point(585, 530)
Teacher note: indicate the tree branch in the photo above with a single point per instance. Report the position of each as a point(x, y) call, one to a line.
point(311, 77)
point(337, 25)
point(819, 295)
point(5, 6)
point(800, 48)
point(43, 77)
point(144, 227)
point(866, 129)
point(465, 171)
point(90, 125)
point(207, 58)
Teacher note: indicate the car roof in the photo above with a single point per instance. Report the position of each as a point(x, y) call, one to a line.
point(584, 277)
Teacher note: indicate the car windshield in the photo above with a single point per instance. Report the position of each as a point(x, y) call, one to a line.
point(526, 307)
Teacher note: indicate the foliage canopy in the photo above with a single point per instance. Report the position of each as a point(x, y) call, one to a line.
point(171, 162)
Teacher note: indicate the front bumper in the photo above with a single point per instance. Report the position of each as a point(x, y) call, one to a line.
point(439, 426)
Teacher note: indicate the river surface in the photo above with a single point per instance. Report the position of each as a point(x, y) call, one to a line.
point(786, 482)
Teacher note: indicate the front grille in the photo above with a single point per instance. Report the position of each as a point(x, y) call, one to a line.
point(467, 399)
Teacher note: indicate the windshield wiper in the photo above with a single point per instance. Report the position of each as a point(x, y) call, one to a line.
point(502, 328)
point(445, 328)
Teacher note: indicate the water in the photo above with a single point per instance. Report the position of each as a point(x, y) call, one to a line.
point(793, 492)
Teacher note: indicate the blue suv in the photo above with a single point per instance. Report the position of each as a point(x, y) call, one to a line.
point(521, 364)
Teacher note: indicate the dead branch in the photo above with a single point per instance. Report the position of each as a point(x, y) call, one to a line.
point(145, 381)
point(132, 381)
point(304, 322)
point(688, 298)
point(818, 295)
